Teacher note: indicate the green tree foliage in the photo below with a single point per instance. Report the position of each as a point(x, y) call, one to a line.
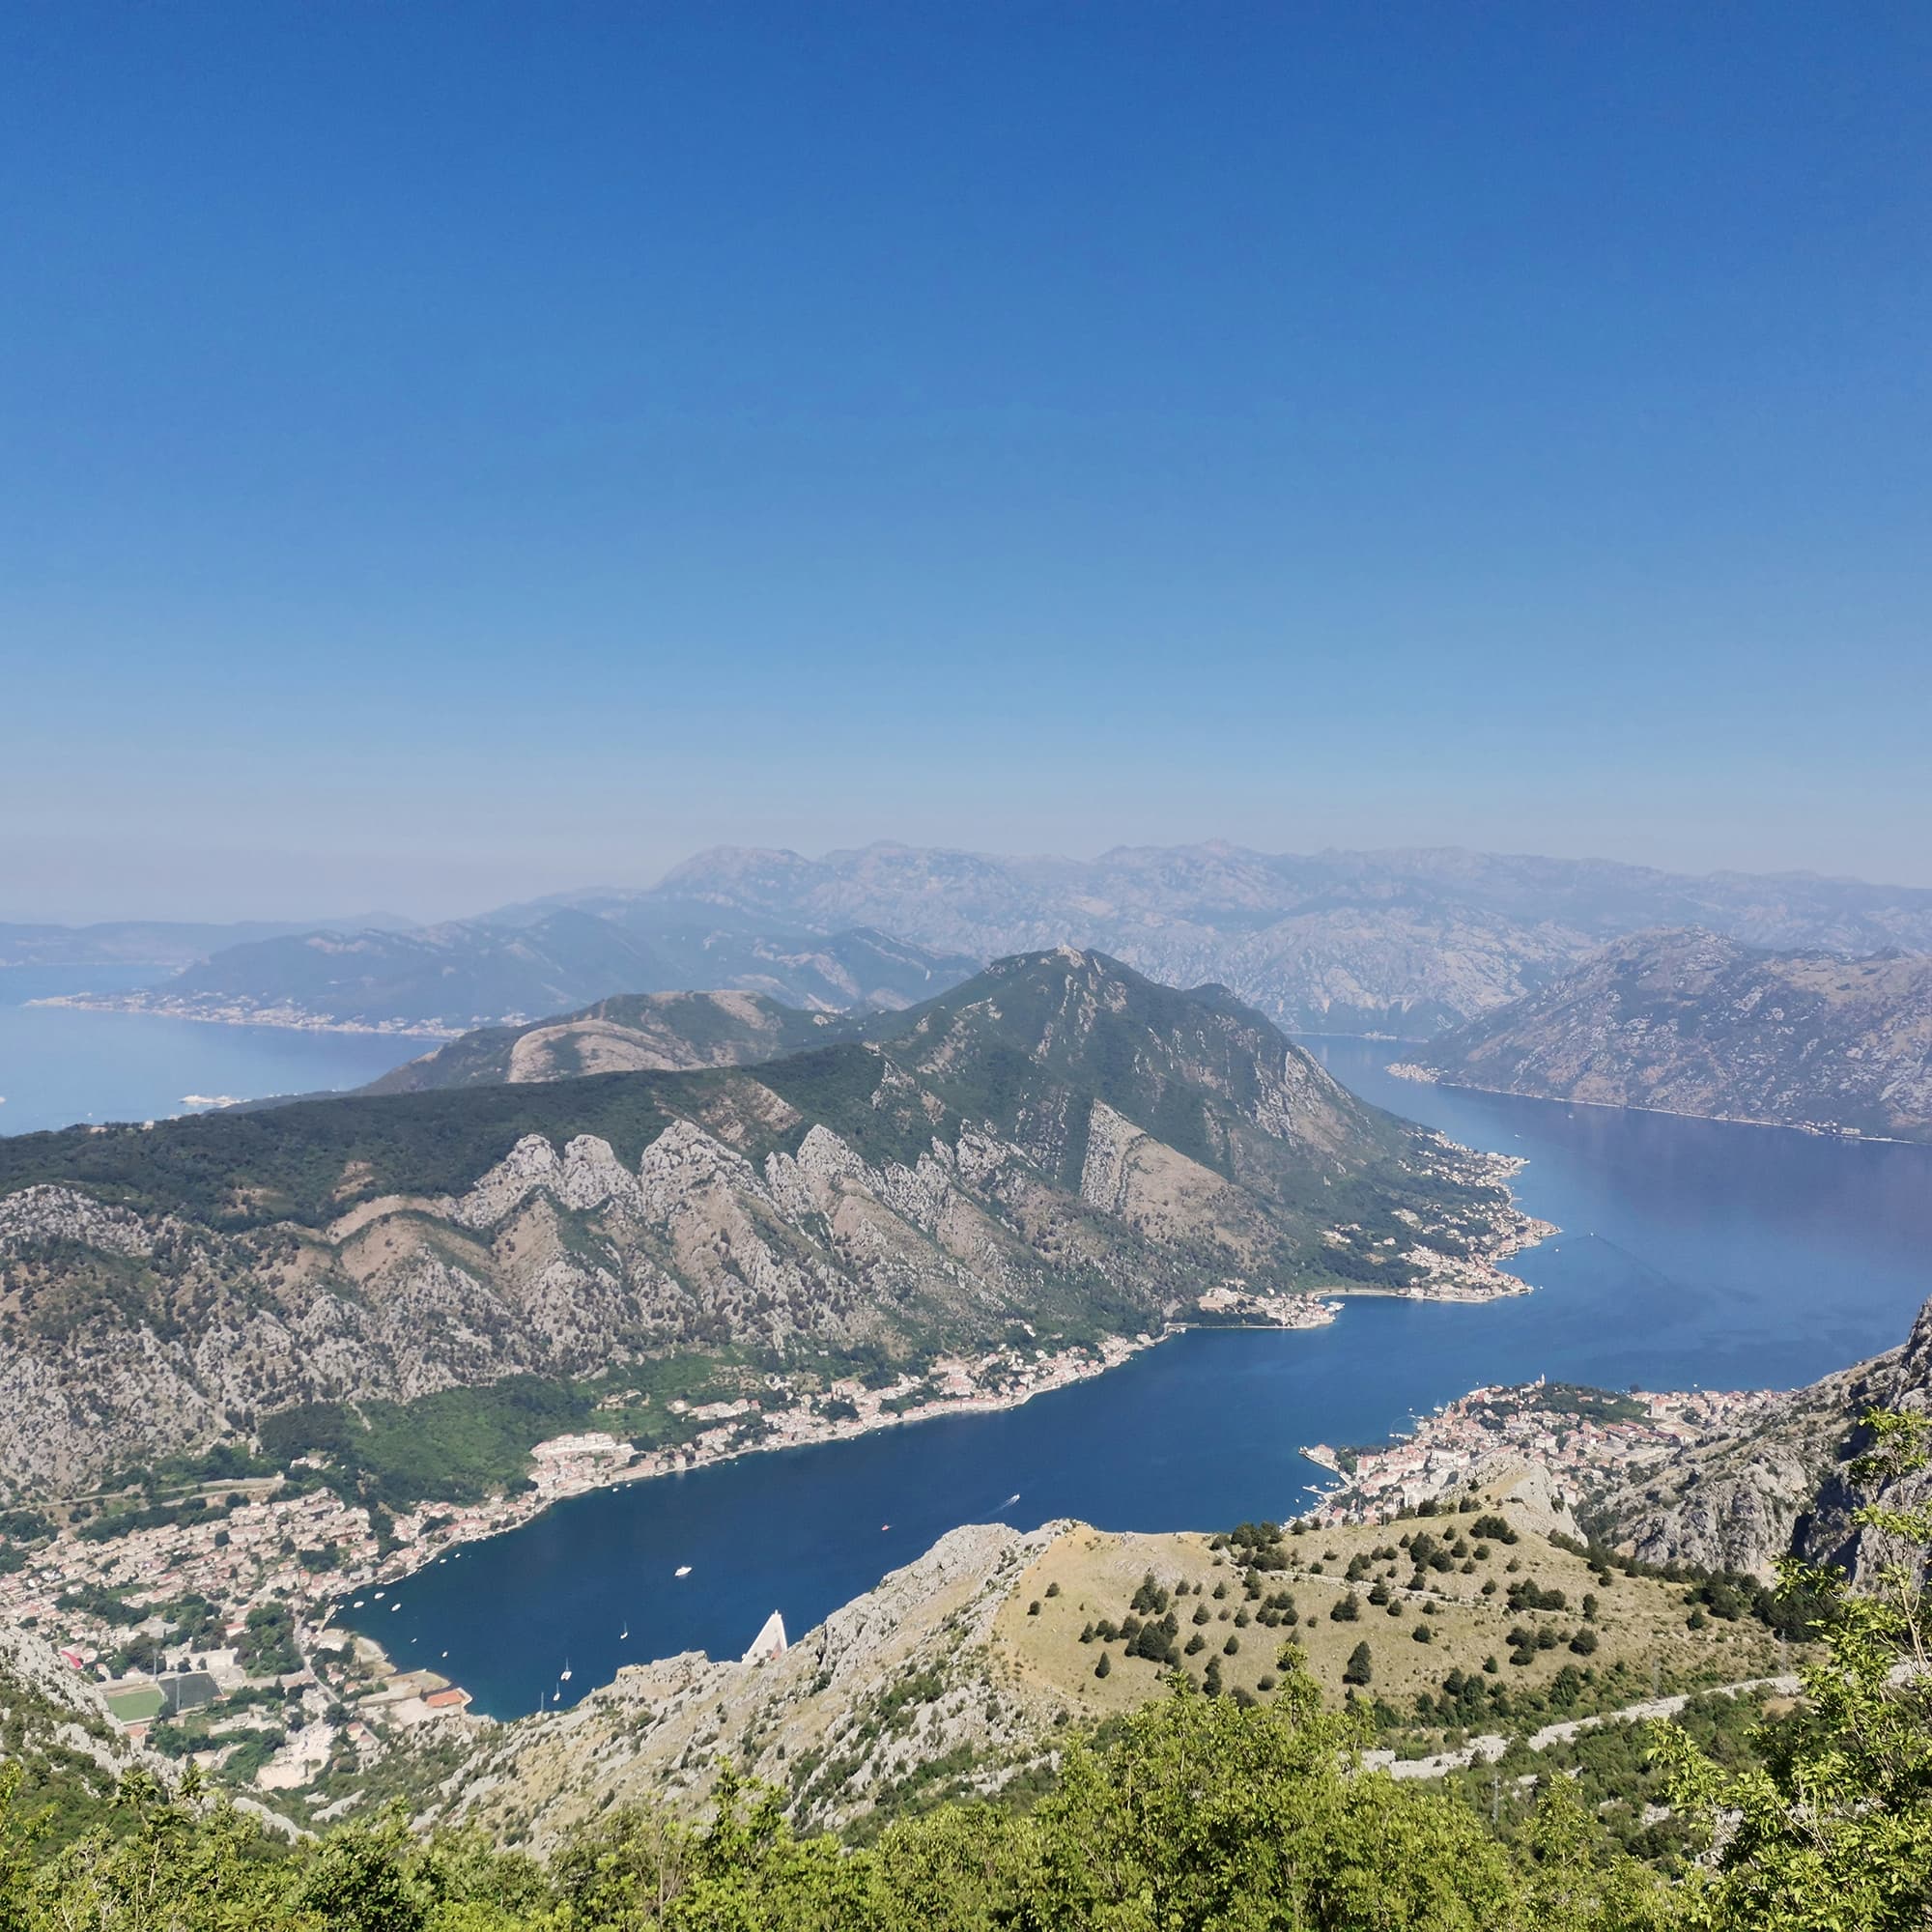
point(1197, 1813)
point(1833, 1828)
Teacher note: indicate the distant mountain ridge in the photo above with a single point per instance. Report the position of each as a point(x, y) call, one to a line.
point(1058, 1142)
point(1691, 1023)
point(442, 980)
point(1411, 943)
point(159, 942)
point(1408, 941)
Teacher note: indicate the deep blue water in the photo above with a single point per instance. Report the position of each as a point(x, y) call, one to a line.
point(61, 1064)
point(1690, 1252)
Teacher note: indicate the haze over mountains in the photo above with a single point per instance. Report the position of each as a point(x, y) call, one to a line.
point(160, 942)
point(446, 978)
point(1407, 942)
point(1692, 1023)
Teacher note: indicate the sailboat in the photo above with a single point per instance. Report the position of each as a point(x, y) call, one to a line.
point(623, 1633)
point(563, 1675)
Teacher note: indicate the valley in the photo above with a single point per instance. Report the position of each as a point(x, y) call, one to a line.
point(365, 1591)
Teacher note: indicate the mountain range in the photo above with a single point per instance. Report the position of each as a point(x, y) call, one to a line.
point(159, 942)
point(1691, 1023)
point(1409, 943)
point(1058, 1142)
point(1403, 942)
point(445, 979)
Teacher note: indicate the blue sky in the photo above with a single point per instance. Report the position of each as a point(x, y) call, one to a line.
point(453, 451)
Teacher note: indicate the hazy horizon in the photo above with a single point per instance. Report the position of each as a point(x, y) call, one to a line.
point(345, 910)
point(457, 453)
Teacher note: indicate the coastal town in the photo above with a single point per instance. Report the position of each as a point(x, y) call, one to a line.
point(234, 1607)
point(195, 1617)
point(246, 1013)
point(1581, 1436)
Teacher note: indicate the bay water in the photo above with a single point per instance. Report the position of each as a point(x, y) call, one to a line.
point(1691, 1252)
point(62, 1066)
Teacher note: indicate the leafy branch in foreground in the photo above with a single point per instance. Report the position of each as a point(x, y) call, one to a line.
point(1833, 1829)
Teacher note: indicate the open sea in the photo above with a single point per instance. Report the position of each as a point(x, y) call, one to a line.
point(63, 1065)
point(1690, 1252)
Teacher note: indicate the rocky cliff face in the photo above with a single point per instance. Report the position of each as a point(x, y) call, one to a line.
point(1060, 1143)
point(1695, 1024)
point(1784, 1487)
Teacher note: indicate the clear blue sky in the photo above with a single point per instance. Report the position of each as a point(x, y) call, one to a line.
point(450, 451)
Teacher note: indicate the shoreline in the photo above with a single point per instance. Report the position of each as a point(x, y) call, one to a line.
point(284, 1020)
point(1426, 1076)
point(1320, 1309)
point(1579, 1437)
point(618, 1465)
point(252, 1555)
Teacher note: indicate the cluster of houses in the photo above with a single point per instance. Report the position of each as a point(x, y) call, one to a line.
point(1578, 1450)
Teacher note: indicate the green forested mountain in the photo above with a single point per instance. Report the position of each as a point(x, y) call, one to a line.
point(1058, 1142)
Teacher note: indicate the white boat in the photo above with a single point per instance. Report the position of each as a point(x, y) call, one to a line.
point(356, 1605)
point(623, 1633)
point(563, 1675)
point(395, 1607)
point(1010, 1501)
point(380, 1594)
point(682, 1570)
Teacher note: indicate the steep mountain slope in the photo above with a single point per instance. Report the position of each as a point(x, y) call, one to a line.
point(635, 1032)
point(1784, 1487)
point(1408, 942)
point(447, 980)
point(1058, 1142)
point(1693, 1024)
